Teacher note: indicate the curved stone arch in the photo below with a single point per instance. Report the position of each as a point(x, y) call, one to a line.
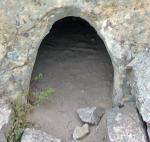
point(86, 17)
point(30, 36)
point(55, 15)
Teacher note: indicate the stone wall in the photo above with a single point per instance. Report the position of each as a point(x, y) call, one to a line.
point(140, 84)
point(123, 26)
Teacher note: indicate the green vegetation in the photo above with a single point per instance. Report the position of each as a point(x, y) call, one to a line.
point(38, 77)
point(20, 122)
point(22, 110)
point(37, 98)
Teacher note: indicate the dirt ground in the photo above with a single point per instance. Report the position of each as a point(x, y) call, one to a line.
point(75, 63)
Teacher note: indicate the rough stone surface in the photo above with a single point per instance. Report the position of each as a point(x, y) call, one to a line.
point(5, 118)
point(81, 132)
point(124, 125)
point(5, 113)
point(32, 135)
point(2, 137)
point(148, 131)
point(90, 115)
point(123, 25)
point(140, 83)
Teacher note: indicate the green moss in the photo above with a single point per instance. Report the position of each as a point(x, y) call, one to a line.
point(20, 121)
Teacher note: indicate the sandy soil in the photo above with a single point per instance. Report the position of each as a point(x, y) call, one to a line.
point(78, 67)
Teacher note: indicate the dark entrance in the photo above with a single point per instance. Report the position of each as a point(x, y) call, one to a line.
point(73, 60)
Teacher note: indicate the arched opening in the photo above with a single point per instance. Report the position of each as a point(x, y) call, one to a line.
point(73, 60)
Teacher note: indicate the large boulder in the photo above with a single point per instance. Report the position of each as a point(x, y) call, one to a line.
point(90, 115)
point(140, 83)
point(32, 135)
point(125, 125)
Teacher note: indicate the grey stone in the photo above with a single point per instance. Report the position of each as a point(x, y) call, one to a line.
point(81, 132)
point(2, 137)
point(140, 83)
point(90, 115)
point(123, 25)
point(148, 131)
point(116, 23)
point(5, 113)
point(12, 55)
point(125, 125)
point(32, 135)
point(5, 118)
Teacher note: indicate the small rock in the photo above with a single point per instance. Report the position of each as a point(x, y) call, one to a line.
point(81, 132)
point(125, 125)
point(32, 135)
point(91, 115)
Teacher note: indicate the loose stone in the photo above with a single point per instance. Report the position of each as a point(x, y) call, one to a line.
point(91, 115)
point(81, 132)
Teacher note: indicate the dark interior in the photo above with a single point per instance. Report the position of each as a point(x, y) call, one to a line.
point(71, 28)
